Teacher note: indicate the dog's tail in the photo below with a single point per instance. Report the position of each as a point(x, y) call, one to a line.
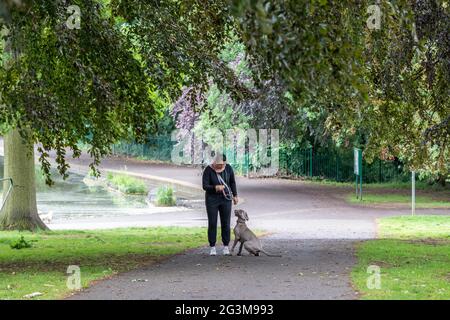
point(270, 255)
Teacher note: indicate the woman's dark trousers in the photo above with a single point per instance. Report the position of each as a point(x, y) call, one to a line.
point(218, 205)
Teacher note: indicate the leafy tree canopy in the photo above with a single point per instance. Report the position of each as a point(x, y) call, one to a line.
point(61, 86)
point(388, 87)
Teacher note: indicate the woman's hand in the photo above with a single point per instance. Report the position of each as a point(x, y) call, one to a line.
point(220, 188)
point(235, 200)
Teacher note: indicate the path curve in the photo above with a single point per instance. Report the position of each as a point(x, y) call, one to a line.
point(312, 227)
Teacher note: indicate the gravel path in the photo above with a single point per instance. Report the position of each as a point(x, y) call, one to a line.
point(308, 269)
point(314, 234)
point(313, 228)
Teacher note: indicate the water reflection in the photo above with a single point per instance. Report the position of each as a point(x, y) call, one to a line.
point(73, 199)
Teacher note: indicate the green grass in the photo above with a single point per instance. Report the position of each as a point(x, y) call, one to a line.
point(165, 196)
point(99, 254)
point(415, 227)
point(402, 185)
point(395, 199)
point(394, 185)
point(413, 254)
point(126, 184)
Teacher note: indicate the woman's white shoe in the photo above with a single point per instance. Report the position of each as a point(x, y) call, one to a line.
point(226, 251)
point(213, 251)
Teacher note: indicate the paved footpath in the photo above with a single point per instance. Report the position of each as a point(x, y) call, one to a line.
point(313, 228)
point(309, 269)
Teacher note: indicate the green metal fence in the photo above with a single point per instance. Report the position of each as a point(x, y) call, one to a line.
point(296, 162)
point(336, 166)
point(157, 148)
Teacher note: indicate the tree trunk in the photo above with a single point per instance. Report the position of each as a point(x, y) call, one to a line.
point(441, 179)
point(20, 210)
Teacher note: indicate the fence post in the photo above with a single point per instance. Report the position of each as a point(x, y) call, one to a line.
point(310, 162)
point(413, 192)
point(379, 170)
point(304, 162)
point(337, 167)
point(247, 162)
point(360, 176)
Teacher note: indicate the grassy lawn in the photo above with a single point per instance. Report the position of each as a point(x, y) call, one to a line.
point(413, 254)
point(422, 201)
point(395, 185)
point(99, 254)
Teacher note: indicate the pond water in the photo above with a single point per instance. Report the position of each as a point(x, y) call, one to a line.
point(73, 199)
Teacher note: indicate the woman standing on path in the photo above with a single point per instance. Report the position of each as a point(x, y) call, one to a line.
point(220, 190)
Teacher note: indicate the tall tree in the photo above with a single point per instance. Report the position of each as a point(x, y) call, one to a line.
point(388, 85)
point(20, 211)
point(409, 109)
point(61, 85)
point(94, 84)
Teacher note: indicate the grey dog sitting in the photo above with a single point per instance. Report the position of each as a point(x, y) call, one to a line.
point(246, 237)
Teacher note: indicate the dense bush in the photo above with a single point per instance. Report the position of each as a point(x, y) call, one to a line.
point(165, 197)
point(127, 184)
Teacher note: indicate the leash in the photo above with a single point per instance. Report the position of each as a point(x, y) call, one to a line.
point(226, 191)
point(227, 194)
